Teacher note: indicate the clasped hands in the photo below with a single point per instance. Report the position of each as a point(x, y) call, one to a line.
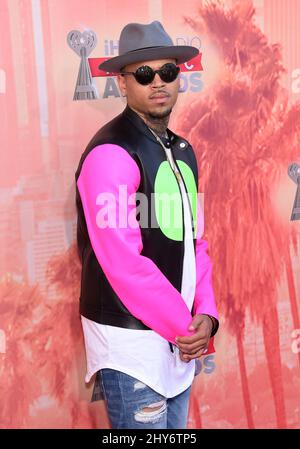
point(193, 346)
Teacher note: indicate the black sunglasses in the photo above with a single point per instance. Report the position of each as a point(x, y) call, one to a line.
point(145, 74)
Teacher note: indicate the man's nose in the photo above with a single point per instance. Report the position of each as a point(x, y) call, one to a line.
point(157, 81)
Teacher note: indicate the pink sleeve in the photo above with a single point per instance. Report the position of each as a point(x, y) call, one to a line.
point(204, 295)
point(136, 279)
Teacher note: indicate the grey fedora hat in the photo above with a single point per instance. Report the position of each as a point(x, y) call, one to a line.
point(141, 42)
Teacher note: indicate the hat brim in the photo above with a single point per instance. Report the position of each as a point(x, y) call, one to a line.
point(182, 53)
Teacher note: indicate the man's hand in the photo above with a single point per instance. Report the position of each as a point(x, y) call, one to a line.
point(193, 346)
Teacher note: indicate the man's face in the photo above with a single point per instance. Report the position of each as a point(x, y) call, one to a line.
point(144, 99)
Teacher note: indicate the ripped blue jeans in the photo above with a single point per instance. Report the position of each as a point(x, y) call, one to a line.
point(131, 404)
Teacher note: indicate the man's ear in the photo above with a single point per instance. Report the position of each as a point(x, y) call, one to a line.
point(122, 84)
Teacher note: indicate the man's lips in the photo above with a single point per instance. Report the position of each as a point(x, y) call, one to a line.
point(159, 97)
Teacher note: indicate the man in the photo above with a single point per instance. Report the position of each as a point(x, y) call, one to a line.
point(144, 282)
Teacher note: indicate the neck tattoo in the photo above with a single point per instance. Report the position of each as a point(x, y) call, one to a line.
point(159, 126)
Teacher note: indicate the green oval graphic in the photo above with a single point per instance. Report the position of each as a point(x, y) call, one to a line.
point(168, 204)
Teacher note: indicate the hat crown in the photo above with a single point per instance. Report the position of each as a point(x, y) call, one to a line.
point(144, 42)
point(136, 36)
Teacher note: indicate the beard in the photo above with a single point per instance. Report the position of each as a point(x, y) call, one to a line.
point(159, 115)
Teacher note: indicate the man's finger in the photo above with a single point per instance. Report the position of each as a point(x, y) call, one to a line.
point(196, 322)
point(187, 347)
point(191, 338)
point(188, 357)
point(199, 347)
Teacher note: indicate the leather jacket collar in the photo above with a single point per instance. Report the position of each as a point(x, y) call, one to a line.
point(176, 141)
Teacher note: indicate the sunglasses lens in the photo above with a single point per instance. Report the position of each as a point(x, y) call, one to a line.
point(169, 72)
point(144, 75)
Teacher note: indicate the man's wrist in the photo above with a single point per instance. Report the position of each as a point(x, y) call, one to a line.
point(215, 324)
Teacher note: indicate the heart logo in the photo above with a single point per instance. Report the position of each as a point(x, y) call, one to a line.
point(82, 43)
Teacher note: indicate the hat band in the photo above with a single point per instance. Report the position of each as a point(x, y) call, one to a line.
point(145, 48)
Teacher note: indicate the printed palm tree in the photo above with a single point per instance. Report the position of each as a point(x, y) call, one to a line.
point(43, 343)
point(245, 136)
point(20, 384)
point(66, 343)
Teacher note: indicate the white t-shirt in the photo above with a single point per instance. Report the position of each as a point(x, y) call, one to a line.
point(144, 354)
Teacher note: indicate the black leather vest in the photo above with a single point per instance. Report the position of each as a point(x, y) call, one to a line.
point(98, 301)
